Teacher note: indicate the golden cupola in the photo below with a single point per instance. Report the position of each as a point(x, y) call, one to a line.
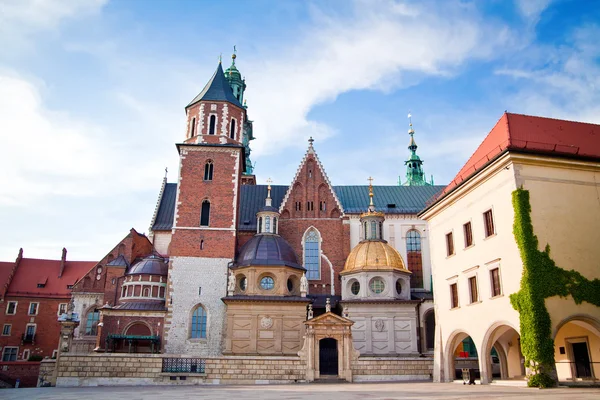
point(373, 253)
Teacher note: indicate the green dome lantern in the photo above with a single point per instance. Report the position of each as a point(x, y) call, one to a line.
point(234, 77)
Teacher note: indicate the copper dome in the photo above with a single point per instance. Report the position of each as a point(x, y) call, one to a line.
point(151, 265)
point(267, 249)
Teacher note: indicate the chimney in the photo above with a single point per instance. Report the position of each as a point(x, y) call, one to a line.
point(63, 260)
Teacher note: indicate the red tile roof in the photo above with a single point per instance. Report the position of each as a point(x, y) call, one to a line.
point(538, 135)
point(32, 271)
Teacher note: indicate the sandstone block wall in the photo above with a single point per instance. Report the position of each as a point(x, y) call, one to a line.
point(392, 369)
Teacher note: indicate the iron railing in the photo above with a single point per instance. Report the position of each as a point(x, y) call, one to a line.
point(185, 365)
point(583, 369)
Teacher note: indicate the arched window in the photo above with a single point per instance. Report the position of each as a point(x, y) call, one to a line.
point(415, 261)
point(91, 324)
point(193, 127)
point(205, 213)
point(373, 230)
point(232, 129)
point(212, 124)
point(146, 292)
point(208, 170)
point(312, 255)
point(198, 330)
point(268, 224)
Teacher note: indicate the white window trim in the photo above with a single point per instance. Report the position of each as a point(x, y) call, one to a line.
point(9, 347)
point(216, 124)
point(28, 352)
point(486, 209)
point(9, 329)
point(453, 243)
point(491, 287)
point(235, 129)
point(306, 232)
point(450, 283)
point(58, 311)
point(473, 274)
point(465, 247)
point(37, 308)
point(8, 305)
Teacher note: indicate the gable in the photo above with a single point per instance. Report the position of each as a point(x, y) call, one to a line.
point(329, 318)
point(311, 194)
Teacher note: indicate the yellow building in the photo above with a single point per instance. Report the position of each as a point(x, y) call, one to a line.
point(515, 254)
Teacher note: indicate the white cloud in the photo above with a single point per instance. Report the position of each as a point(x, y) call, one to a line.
point(20, 20)
point(377, 47)
point(532, 9)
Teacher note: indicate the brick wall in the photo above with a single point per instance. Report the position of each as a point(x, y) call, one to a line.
point(26, 372)
point(46, 321)
point(224, 112)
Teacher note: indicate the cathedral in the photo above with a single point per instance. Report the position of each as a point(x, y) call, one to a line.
point(232, 267)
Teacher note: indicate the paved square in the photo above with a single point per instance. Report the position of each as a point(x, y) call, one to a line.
point(345, 391)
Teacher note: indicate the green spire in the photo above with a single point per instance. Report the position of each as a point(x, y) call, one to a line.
point(415, 176)
point(238, 85)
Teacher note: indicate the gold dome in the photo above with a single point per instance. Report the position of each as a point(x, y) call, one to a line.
point(373, 255)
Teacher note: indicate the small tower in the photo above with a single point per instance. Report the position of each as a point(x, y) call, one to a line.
point(414, 165)
point(268, 216)
point(237, 83)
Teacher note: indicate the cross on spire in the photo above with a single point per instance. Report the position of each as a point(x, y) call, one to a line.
point(310, 141)
point(269, 181)
point(371, 205)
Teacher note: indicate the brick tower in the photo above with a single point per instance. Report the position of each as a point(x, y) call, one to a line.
point(212, 164)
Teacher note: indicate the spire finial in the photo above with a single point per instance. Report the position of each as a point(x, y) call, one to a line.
point(233, 56)
point(310, 141)
point(410, 127)
point(220, 57)
point(268, 201)
point(166, 172)
point(371, 193)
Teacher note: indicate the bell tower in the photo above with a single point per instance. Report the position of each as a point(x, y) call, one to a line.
point(415, 176)
point(211, 165)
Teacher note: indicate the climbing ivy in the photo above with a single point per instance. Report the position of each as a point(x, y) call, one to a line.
point(541, 279)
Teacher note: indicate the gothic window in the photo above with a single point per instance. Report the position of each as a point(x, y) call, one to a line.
point(414, 258)
point(198, 330)
point(91, 324)
point(205, 213)
point(212, 125)
point(193, 127)
point(312, 255)
point(232, 129)
point(208, 170)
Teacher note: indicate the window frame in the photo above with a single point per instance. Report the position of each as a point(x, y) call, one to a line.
point(202, 210)
point(199, 329)
point(93, 329)
point(212, 128)
point(311, 274)
point(28, 352)
point(4, 351)
point(414, 263)
point(468, 234)
point(232, 129)
point(37, 308)
point(9, 326)
point(450, 250)
point(487, 224)
point(192, 127)
point(16, 303)
point(492, 286)
point(473, 286)
point(209, 168)
point(454, 299)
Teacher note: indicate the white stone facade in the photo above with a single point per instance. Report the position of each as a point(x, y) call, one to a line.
point(195, 281)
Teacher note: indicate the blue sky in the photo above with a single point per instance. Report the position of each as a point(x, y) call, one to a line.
point(92, 95)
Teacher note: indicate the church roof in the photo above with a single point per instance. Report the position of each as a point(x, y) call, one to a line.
point(390, 200)
point(166, 210)
point(267, 249)
point(529, 134)
point(217, 89)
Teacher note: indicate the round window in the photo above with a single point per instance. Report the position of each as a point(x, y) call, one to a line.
point(267, 283)
point(99, 270)
point(290, 284)
point(377, 285)
point(355, 288)
point(243, 284)
point(399, 286)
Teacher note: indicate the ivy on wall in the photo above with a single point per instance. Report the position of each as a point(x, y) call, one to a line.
point(541, 279)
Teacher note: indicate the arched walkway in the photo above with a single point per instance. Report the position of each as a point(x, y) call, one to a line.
point(460, 353)
point(502, 349)
point(577, 348)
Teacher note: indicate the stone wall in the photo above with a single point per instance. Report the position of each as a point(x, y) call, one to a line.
point(392, 369)
point(146, 369)
point(47, 373)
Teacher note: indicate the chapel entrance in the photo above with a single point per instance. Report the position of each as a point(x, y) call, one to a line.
point(328, 357)
point(581, 356)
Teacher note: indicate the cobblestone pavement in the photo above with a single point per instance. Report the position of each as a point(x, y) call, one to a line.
point(345, 391)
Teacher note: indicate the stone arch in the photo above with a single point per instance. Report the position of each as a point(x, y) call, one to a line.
point(504, 337)
point(335, 213)
point(576, 343)
point(285, 214)
point(592, 322)
point(454, 339)
point(138, 328)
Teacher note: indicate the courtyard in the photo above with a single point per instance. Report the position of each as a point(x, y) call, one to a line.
point(329, 391)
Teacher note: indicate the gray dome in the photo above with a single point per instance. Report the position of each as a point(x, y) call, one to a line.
point(267, 249)
point(151, 265)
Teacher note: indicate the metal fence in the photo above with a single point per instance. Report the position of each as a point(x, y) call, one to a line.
point(583, 369)
point(185, 365)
